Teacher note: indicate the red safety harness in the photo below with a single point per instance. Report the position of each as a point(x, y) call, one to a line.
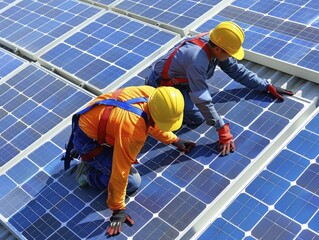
point(103, 140)
point(102, 137)
point(166, 81)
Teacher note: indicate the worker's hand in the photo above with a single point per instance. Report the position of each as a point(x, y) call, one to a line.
point(184, 145)
point(277, 92)
point(226, 143)
point(117, 219)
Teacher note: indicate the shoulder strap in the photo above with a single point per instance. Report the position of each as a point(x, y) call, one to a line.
point(195, 40)
point(110, 103)
point(103, 121)
point(126, 105)
point(203, 45)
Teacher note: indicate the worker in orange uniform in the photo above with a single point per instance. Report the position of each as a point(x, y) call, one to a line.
point(109, 134)
point(191, 62)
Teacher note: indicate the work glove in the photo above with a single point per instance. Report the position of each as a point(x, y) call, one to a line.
point(278, 91)
point(117, 220)
point(225, 144)
point(184, 145)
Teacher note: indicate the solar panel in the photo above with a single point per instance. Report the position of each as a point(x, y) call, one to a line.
point(262, 211)
point(31, 26)
point(9, 63)
point(179, 15)
point(106, 50)
point(282, 31)
point(5, 3)
point(33, 101)
point(101, 50)
point(53, 205)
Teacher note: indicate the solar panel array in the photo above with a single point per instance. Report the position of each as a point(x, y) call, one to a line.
point(9, 63)
point(33, 101)
point(282, 202)
point(99, 48)
point(179, 15)
point(256, 122)
point(103, 52)
point(281, 30)
point(31, 26)
point(49, 204)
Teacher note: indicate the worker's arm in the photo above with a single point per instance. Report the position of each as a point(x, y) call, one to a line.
point(201, 97)
point(164, 137)
point(241, 74)
point(170, 138)
point(225, 143)
point(250, 79)
point(125, 152)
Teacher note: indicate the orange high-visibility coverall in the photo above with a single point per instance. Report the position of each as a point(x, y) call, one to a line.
point(129, 132)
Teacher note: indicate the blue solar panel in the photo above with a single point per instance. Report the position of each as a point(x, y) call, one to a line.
point(106, 49)
point(8, 63)
point(169, 179)
point(5, 3)
point(33, 102)
point(179, 14)
point(280, 30)
point(275, 224)
point(222, 229)
point(33, 25)
point(268, 187)
point(287, 191)
point(40, 201)
point(256, 120)
point(305, 144)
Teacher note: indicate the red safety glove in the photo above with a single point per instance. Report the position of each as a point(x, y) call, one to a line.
point(117, 220)
point(278, 91)
point(184, 145)
point(225, 144)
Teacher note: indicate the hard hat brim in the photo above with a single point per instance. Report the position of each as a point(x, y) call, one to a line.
point(239, 55)
point(170, 127)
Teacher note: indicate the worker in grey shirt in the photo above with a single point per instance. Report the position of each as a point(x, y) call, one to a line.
point(191, 62)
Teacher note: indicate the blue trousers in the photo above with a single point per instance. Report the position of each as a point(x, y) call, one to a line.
point(192, 114)
point(100, 169)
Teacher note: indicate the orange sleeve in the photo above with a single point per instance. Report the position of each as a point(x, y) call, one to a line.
point(164, 137)
point(125, 152)
point(129, 133)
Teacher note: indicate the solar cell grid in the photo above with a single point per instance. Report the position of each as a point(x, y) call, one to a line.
point(274, 224)
point(280, 30)
point(46, 203)
point(106, 49)
point(31, 26)
point(5, 3)
point(8, 63)
point(181, 14)
point(33, 102)
point(165, 183)
point(254, 132)
point(290, 177)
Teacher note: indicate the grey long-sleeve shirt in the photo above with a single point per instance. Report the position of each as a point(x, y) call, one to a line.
point(191, 62)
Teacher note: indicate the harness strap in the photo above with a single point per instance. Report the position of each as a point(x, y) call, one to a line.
point(166, 81)
point(102, 138)
point(111, 103)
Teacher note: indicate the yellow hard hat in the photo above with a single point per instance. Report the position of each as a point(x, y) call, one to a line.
point(230, 37)
point(166, 105)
